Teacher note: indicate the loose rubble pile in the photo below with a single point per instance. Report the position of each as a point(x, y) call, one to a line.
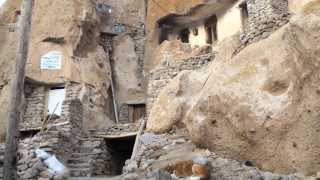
point(172, 156)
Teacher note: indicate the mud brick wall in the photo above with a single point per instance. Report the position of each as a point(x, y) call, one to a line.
point(160, 77)
point(265, 17)
point(35, 100)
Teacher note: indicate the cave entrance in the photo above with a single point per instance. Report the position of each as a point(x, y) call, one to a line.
point(120, 149)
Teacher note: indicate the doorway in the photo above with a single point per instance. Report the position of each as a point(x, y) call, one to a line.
point(120, 150)
point(136, 112)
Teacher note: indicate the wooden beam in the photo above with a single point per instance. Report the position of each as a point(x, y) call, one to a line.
point(137, 142)
point(17, 90)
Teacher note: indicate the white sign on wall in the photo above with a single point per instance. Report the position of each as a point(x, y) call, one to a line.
point(51, 60)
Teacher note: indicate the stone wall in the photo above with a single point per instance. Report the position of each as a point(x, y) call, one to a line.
point(61, 138)
point(126, 25)
point(124, 113)
point(98, 157)
point(72, 90)
point(161, 76)
point(264, 17)
point(1, 160)
point(36, 97)
point(84, 155)
point(35, 100)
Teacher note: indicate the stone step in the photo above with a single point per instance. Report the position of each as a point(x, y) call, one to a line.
point(80, 172)
point(81, 155)
point(84, 159)
point(79, 165)
point(86, 150)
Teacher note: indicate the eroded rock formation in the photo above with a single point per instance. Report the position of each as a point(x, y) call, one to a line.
point(261, 105)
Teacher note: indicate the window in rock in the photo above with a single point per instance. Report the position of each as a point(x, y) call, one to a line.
point(184, 35)
point(55, 100)
point(136, 112)
point(164, 33)
point(211, 29)
point(28, 133)
point(244, 15)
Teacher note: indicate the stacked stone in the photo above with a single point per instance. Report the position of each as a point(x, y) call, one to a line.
point(35, 107)
point(29, 166)
point(61, 138)
point(124, 114)
point(160, 77)
point(70, 128)
point(106, 43)
point(116, 130)
point(265, 17)
point(92, 160)
point(72, 90)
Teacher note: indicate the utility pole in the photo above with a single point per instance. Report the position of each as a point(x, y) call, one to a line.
point(17, 89)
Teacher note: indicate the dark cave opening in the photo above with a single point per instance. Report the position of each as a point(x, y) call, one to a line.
point(120, 150)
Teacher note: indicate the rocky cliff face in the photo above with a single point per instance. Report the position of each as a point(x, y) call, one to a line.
point(75, 34)
point(156, 10)
point(260, 105)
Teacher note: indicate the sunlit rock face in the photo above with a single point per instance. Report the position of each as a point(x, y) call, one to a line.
point(261, 105)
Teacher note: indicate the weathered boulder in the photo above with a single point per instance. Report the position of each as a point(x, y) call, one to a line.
point(262, 105)
point(178, 96)
point(174, 100)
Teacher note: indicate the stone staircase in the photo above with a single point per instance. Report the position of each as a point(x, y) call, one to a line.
point(90, 160)
point(1, 160)
point(79, 162)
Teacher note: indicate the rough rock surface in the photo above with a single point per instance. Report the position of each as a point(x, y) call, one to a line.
point(84, 61)
point(261, 105)
point(129, 81)
point(172, 155)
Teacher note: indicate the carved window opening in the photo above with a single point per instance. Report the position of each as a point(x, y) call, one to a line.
point(211, 29)
point(184, 35)
point(244, 15)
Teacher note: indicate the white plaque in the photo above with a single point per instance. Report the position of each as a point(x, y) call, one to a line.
point(51, 60)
